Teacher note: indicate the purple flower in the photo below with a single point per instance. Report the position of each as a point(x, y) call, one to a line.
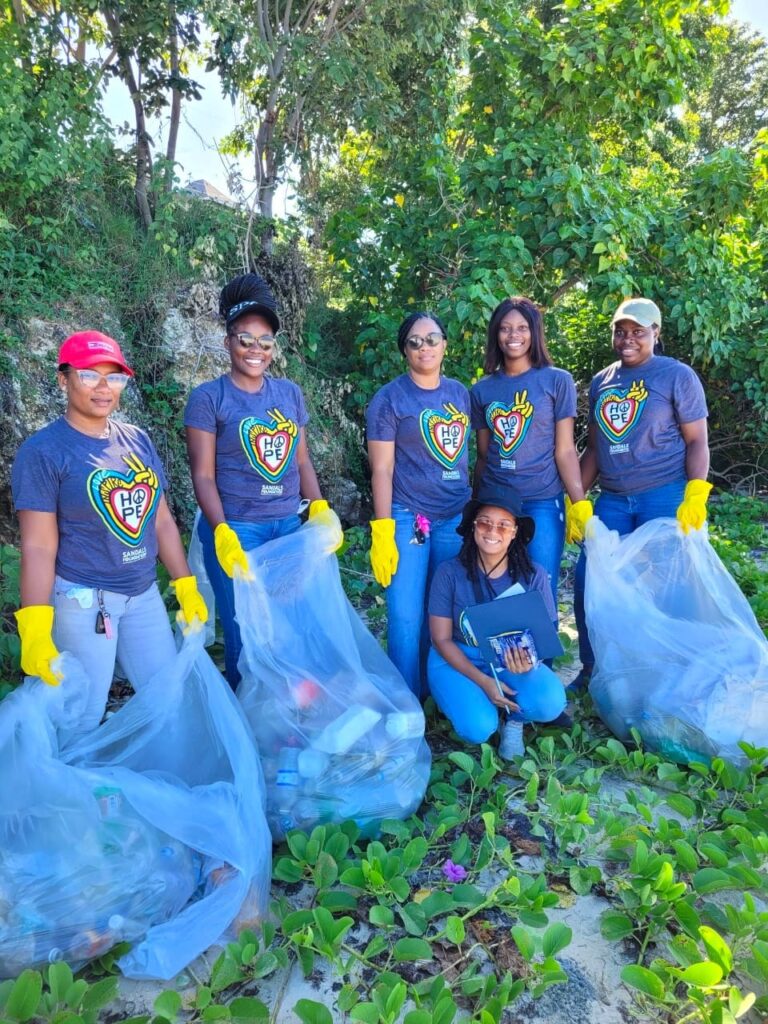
point(454, 872)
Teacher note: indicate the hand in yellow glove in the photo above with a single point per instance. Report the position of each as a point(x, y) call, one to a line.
point(322, 514)
point(692, 510)
point(577, 515)
point(384, 553)
point(229, 552)
point(192, 614)
point(38, 650)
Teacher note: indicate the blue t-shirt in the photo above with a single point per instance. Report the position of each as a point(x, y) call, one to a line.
point(257, 435)
point(520, 413)
point(104, 492)
point(638, 412)
point(430, 430)
point(452, 592)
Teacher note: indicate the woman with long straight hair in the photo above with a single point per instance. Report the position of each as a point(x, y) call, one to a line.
point(523, 412)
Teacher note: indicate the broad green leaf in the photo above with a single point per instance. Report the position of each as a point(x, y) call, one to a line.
point(168, 1004)
point(412, 949)
point(24, 996)
point(556, 937)
point(703, 975)
point(643, 980)
point(615, 925)
point(245, 1009)
point(311, 1012)
point(717, 947)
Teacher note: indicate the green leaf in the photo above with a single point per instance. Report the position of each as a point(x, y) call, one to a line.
point(325, 872)
point(311, 1012)
point(524, 942)
point(717, 947)
point(225, 972)
point(556, 937)
point(100, 994)
point(381, 916)
point(348, 996)
point(703, 975)
point(168, 1004)
point(454, 930)
point(245, 1009)
point(25, 996)
point(60, 977)
point(682, 804)
point(615, 925)
point(643, 980)
point(464, 761)
point(287, 870)
point(412, 949)
point(711, 880)
point(368, 1013)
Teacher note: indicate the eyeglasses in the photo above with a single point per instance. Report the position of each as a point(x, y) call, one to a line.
point(504, 330)
point(503, 525)
point(92, 378)
point(247, 341)
point(432, 340)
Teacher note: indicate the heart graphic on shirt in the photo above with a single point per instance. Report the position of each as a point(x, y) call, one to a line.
point(508, 425)
point(125, 502)
point(445, 434)
point(268, 447)
point(617, 412)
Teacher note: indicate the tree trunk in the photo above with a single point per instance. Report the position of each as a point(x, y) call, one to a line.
point(173, 130)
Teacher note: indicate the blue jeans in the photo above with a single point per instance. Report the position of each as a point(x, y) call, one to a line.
point(142, 638)
point(408, 593)
point(540, 695)
point(622, 512)
point(546, 548)
point(251, 535)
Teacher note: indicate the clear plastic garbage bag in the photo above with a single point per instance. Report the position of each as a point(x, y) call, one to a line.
point(679, 654)
point(149, 829)
point(340, 733)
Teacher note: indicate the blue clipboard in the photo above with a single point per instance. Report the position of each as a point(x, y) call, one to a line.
point(513, 621)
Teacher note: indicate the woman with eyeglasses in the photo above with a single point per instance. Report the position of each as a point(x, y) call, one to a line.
point(494, 556)
point(89, 494)
point(647, 442)
point(523, 412)
point(418, 427)
point(247, 451)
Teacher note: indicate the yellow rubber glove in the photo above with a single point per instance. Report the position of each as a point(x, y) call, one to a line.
point(384, 554)
point(229, 551)
point(38, 650)
point(577, 514)
point(692, 510)
point(192, 614)
point(323, 515)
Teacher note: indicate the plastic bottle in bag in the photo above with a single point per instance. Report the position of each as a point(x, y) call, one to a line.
point(312, 763)
point(404, 725)
point(340, 734)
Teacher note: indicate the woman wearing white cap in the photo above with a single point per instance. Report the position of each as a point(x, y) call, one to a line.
point(647, 441)
point(89, 493)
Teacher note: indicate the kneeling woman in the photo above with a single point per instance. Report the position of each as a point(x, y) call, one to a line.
point(493, 556)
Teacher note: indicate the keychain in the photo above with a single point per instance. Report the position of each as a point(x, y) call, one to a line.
point(103, 621)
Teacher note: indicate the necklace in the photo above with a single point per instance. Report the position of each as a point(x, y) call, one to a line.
point(102, 435)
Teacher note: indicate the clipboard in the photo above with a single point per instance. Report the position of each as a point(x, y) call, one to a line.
point(513, 621)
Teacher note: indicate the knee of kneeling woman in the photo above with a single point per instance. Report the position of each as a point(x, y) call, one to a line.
point(548, 701)
point(478, 730)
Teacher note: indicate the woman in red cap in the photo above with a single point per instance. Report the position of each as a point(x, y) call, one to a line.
point(247, 452)
point(88, 491)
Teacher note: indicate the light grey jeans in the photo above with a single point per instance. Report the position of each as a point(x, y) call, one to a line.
point(142, 638)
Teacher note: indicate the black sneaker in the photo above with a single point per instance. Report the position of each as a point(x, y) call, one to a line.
point(581, 683)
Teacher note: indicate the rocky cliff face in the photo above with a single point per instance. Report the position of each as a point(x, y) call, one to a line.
point(187, 350)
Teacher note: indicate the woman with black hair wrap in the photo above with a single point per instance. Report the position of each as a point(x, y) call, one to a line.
point(418, 427)
point(247, 451)
point(493, 557)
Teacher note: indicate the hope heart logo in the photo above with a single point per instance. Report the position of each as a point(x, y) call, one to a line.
point(508, 425)
point(445, 435)
point(617, 413)
point(124, 504)
point(268, 448)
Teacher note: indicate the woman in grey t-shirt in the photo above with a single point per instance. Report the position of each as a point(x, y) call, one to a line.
point(647, 442)
point(89, 494)
point(247, 451)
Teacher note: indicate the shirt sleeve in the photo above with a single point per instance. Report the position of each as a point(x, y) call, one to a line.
point(35, 481)
point(540, 582)
point(441, 593)
point(688, 396)
point(565, 396)
point(477, 408)
point(381, 421)
point(200, 412)
point(302, 416)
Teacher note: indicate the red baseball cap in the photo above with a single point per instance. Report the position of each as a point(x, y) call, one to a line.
point(89, 348)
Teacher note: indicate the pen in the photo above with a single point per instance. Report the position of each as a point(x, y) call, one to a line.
point(501, 691)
